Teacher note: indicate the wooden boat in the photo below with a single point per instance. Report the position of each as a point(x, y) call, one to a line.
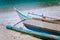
point(45, 31)
point(40, 26)
point(47, 19)
point(41, 35)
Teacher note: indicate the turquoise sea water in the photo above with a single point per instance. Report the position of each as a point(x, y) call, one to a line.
point(16, 2)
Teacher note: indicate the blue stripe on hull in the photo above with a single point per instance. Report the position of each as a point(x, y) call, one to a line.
point(41, 30)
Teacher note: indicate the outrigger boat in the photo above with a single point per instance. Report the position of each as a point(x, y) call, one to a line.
point(38, 27)
point(46, 19)
point(35, 24)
